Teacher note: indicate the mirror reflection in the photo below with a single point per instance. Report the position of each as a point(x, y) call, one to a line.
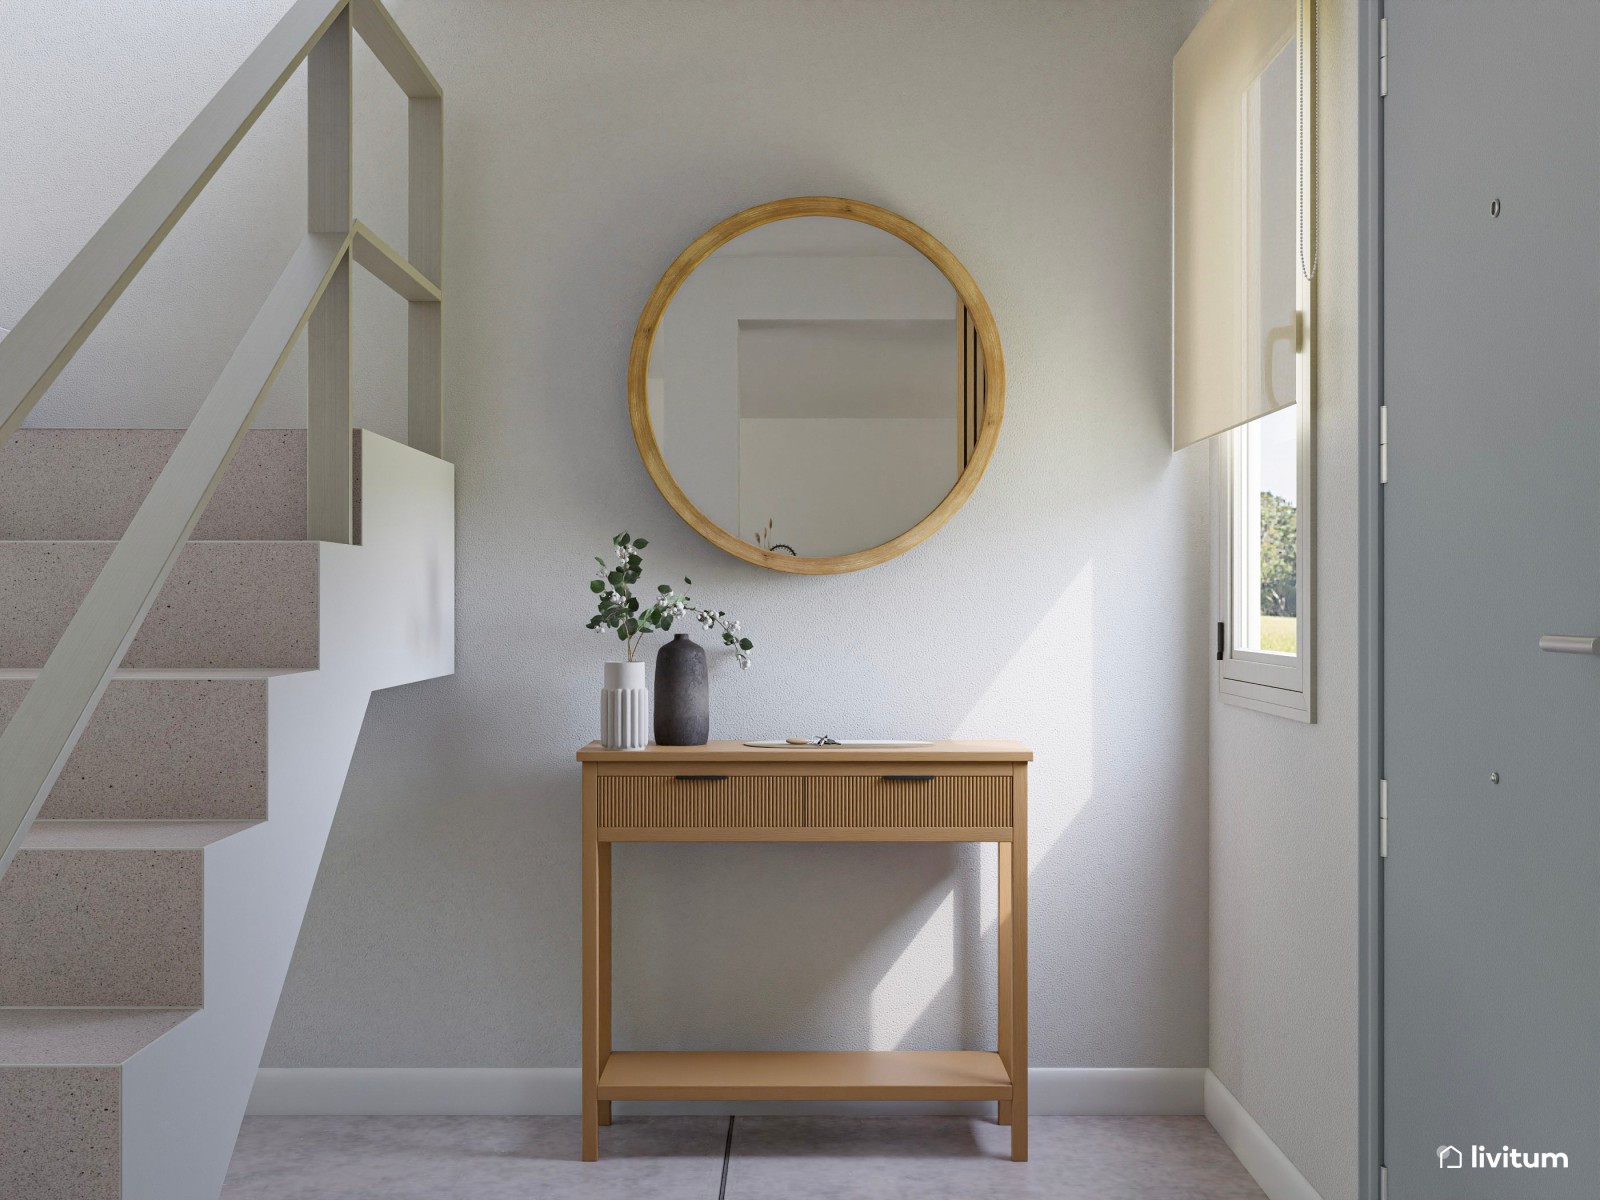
point(815, 386)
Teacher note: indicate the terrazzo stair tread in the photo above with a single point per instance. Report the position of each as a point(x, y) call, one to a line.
point(164, 749)
point(107, 914)
point(81, 1037)
point(86, 484)
point(129, 835)
point(224, 605)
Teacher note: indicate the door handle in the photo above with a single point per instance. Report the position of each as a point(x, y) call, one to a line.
point(1559, 643)
point(908, 778)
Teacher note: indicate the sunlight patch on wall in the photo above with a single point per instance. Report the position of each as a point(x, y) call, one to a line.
point(1044, 696)
point(928, 957)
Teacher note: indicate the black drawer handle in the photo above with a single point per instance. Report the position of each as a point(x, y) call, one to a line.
point(909, 778)
point(701, 778)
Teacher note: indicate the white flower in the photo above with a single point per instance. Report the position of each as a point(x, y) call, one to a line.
point(734, 627)
point(622, 552)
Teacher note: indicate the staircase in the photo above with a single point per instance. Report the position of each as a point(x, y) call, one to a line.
point(148, 919)
point(191, 625)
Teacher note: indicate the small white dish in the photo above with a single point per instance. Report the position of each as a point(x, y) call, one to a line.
point(845, 744)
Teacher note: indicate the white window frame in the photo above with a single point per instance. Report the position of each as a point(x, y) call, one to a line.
point(1269, 682)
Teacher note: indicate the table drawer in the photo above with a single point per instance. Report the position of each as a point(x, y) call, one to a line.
point(693, 801)
point(909, 799)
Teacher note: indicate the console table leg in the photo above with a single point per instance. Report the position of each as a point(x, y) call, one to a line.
point(1019, 965)
point(591, 971)
point(1002, 939)
point(603, 1020)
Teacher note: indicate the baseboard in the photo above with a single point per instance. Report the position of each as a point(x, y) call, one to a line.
point(554, 1091)
point(1117, 1091)
point(1279, 1178)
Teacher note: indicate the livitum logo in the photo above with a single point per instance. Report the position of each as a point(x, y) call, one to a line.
point(1483, 1158)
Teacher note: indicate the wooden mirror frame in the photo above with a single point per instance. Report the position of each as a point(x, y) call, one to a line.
point(868, 214)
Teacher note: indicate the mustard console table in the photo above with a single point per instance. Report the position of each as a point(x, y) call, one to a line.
point(729, 792)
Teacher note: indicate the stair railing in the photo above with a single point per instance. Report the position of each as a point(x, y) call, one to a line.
point(313, 290)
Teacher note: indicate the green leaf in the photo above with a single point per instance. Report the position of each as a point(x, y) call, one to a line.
point(601, 561)
point(689, 582)
point(622, 635)
point(664, 588)
point(625, 540)
point(614, 578)
point(597, 586)
point(640, 544)
point(666, 622)
point(746, 644)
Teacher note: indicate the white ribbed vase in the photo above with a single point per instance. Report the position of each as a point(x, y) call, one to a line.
point(624, 707)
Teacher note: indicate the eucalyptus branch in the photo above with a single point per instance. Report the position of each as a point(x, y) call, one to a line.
point(621, 611)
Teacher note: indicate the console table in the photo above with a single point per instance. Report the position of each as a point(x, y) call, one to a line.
point(729, 792)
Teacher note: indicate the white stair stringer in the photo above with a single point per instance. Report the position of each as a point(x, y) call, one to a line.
point(386, 618)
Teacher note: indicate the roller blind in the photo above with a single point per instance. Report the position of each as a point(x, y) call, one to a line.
point(1223, 352)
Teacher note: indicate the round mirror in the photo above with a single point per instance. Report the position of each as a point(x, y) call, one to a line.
point(816, 385)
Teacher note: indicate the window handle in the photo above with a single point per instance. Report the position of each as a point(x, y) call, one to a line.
point(1282, 333)
point(1560, 643)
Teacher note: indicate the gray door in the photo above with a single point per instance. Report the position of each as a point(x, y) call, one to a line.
point(1492, 539)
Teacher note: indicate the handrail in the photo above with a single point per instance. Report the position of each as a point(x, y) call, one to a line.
point(314, 286)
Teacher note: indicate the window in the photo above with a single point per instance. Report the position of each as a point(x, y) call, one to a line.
point(1264, 509)
point(1265, 582)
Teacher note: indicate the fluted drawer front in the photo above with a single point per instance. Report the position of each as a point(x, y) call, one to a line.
point(942, 802)
point(666, 802)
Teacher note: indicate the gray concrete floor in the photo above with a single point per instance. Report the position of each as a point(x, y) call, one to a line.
point(773, 1158)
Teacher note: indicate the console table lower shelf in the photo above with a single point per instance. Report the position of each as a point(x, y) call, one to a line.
point(805, 1075)
point(728, 792)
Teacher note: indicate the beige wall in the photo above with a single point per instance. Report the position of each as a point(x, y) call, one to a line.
point(1284, 795)
point(587, 143)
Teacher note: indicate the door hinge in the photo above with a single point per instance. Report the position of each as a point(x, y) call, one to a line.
point(1383, 56)
point(1221, 640)
point(1383, 818)
point(1383, 443)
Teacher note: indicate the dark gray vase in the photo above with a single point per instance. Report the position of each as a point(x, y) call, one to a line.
point(683, 699)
